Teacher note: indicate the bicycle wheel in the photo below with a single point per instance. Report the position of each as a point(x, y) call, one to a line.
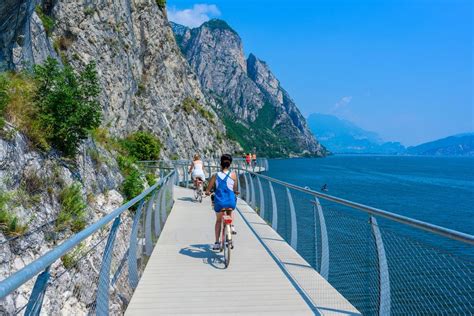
point(227, 246)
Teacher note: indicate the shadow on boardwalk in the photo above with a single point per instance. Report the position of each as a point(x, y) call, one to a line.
point(204, 252)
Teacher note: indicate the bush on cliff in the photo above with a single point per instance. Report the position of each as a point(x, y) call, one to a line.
point(142, 146)
point(53, 106)
point(73, 209)
point(68, 103)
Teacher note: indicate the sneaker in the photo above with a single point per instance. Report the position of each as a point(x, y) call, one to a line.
point(232, 229)
point(216, 246)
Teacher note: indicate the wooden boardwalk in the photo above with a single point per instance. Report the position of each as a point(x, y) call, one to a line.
point(265, 276)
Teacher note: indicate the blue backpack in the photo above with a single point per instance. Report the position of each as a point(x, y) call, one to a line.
point(224, 197)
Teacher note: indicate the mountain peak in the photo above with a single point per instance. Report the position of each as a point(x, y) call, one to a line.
point(217, 24)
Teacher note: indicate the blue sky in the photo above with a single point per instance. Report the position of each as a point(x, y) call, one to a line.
point(401, 68)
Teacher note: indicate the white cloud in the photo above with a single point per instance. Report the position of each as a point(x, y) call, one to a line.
point(341, 104)
point(195, 16)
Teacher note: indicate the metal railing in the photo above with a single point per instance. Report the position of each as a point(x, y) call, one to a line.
point(96, 270)
point(383, 263)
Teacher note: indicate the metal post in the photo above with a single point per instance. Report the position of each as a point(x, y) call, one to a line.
point(384, 279)
point(37, 294)
point(246, 188)
point(148, 238)
point(157, 213)
point(294, 224)
point(102, 299)
point(324, 269)
point(163, 204)
point(252, 195)
point(132, 258)
point(262, 200)
point(274, 207)
point(238, 178)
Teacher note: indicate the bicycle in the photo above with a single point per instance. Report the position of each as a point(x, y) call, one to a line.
point(198, 190)
point(226, 239)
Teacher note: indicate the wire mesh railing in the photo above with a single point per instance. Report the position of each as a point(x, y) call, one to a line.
point(381, 262)
point(96, 270)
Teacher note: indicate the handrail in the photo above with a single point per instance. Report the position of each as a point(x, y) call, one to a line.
point(442, 231)
point(23, 275)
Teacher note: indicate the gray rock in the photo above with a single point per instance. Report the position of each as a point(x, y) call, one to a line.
point(242, 87)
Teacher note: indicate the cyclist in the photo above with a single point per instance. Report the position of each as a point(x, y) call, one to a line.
point(225, 194)
point(196, 169)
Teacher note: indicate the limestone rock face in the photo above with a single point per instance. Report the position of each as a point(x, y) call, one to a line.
point(257, 111)
point(144, 77)
point(144, 80)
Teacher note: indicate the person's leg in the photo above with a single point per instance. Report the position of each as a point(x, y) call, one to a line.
point(218, 225)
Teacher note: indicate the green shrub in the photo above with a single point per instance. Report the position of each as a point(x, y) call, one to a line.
point(68, 103)
point(132, 185)
point(73, 209)
point(142, 146)
point(70, 259)
point(161, 4)
point(18, 99)
point(190, 104)
point(126, 164)
point(4, 97)
point(96, 157)
point(9, 223)
point(150, 179)
point(48, 22)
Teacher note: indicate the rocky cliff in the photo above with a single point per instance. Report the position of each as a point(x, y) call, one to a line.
point(143, 76)
point(257, 111)
point(146, 84)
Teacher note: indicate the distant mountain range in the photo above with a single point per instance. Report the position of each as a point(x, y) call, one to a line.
point(341, 136)
point(457, 145)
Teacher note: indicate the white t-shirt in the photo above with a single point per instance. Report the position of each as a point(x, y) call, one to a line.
point(230, 181)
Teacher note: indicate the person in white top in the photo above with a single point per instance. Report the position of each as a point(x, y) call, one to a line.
point(196, 169)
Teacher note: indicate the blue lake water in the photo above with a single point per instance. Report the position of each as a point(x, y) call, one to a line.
point(425, 270)
point(432, 189)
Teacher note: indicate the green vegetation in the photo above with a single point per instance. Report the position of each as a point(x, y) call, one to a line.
point(216, 24)
point(96, 157)
point(68, 106)
point(142, 146)
point(260, 134)
point(132, 185)
point(54, 106)
point(4, 97)
point(71, 258)
point(48, 22)
point(190, 104)
point(9, 223)
point(161, 4)
point(73, 209)
point(150, 179)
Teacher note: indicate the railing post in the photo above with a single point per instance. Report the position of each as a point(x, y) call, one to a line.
point(324, 269)
point(156, 211)
point(252, 194)
point(148, 237)
point(163, 204)
point(294, 224)
point(102, 299)
point(384, 279)
point(247, 189)
point(37, 294)
point(274, 207)
point(262, 200)
point(132, 255)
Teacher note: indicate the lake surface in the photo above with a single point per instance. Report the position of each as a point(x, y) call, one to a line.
point(431, 189)
point(424, 269)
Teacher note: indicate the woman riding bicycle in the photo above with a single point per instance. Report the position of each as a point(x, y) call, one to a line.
point(224, 195)
point(196, 169)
